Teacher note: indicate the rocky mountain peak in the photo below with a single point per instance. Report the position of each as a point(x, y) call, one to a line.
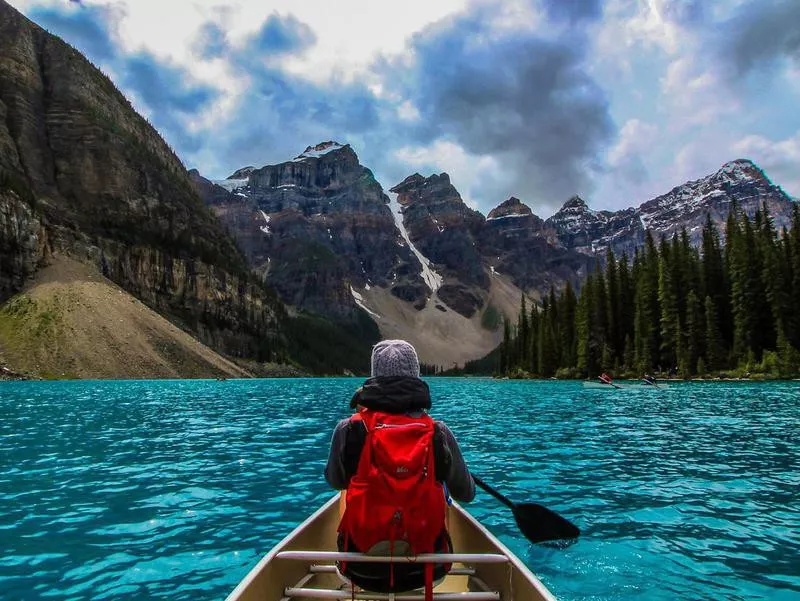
point(684, 207)
point(434, 189)
point(242, 173)
point(511, 207)
point(324, 148)
point(575, 204)
point(740, 166)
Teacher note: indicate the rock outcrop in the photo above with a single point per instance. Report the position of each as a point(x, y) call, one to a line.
point(23, 242)
point(444, 229)
point(514, 241)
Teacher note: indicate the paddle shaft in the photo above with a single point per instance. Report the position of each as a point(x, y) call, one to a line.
point(503, 499)
point(536, 522)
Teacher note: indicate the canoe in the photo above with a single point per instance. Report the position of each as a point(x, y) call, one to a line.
point(302, 566)
point(623, 386)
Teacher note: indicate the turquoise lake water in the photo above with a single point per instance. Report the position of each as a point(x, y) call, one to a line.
point(175, 489)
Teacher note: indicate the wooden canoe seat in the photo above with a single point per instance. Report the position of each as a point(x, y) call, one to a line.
point(467, 586)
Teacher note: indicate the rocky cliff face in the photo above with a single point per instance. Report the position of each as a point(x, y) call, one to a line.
point(23, 242)
point(320, 229)
point(315, 227)
point(444, 229)
point(106, 187)
point(514, 241)
point(686, 206)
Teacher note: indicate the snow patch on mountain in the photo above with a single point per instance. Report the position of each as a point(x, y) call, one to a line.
point(314, 152)
point(505, 217)
point(231, 185)
point(265, 228)
point(432, 279)
point(360, 302)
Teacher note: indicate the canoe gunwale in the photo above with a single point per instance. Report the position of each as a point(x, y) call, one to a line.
point(256, 570)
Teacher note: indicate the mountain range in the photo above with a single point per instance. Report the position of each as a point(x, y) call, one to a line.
point(308, 261)
point(425, 266)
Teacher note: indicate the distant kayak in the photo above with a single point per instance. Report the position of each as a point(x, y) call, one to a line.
point(624, 385)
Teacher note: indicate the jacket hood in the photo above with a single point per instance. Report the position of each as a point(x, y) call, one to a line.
point(393, 394)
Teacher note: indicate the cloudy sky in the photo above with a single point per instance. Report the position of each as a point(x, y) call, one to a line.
point(617, 101)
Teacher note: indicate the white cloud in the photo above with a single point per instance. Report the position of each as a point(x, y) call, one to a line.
point(467, 172)
point(630, 179)
point(641, 23)
point(780, 159)
point(350, 33)
point(408, 112)
point(792, 75)
point(635, 139)
point(695, 93)
point(511, 15)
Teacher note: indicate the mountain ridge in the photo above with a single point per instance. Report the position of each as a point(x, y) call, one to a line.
point(451, 253)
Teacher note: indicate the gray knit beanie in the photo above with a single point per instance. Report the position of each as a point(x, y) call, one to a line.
point(394, 358)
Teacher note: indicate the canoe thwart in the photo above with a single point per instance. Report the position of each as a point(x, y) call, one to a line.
point(315, 593)
point(421, 558)
point(322, 569)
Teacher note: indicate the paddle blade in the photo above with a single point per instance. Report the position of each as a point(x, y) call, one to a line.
point(540, 524)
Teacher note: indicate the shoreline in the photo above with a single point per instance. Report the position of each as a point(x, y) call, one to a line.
point(8, 375)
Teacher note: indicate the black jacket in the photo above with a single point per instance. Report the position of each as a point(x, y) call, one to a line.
point(397, 394)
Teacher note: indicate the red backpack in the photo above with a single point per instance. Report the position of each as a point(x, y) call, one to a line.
point(394, 496)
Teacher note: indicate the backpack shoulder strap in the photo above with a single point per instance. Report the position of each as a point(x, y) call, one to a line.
point(354, 442)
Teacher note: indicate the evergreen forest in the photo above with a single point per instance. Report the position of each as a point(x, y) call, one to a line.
point(672, 309)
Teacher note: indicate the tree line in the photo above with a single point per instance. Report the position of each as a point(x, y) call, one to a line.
point(672, 308)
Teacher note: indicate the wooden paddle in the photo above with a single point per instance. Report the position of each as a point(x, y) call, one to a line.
point(609, 382)
point(536, 522)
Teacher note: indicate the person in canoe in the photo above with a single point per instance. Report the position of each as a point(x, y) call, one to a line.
point(606, 379)
point(394, 461)
point(648, 379)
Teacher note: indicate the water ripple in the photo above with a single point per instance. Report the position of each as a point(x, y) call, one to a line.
point(174, 489)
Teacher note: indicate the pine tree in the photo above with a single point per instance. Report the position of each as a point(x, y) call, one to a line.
point(669, 320)
point(770, 303)
point(714, 279)
point(554, 320)
point(695, 331)
point(615, 340)
point(794, 243)
point(567, 315)
point(533, 362)
point(627, 297)
point(647, 341)
point(746, 293)
point(523, 332)
point(548, 362)
point(715, 350)
point(732, 234)
point(583, 326)
point(599, 331)
point(505, 347)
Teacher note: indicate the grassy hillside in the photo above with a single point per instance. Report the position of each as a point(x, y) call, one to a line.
point(71, 322)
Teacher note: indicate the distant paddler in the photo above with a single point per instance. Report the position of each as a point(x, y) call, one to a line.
point(606, 379)
point(650, 380)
